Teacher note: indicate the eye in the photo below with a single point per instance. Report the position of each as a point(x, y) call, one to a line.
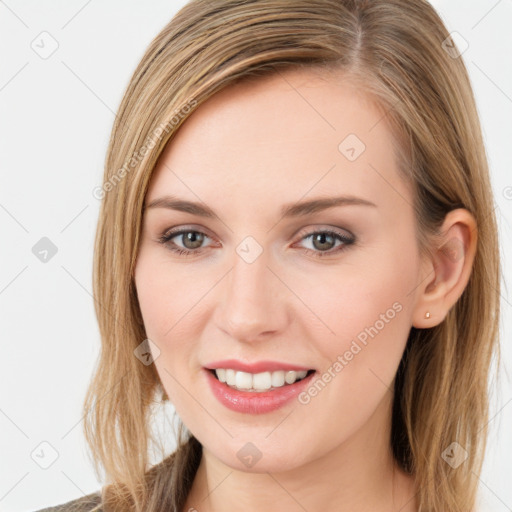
point(324, 242)
point(191, 239)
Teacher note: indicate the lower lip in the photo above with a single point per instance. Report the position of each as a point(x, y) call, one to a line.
point(253, 402)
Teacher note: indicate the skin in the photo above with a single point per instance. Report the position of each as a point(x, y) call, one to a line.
point(245, 152)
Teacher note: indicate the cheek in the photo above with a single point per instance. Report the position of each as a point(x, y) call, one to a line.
point(160, 311)
point(372, 325)
point(165, 296)
point(360, 301)
point(368, 310)
point(170, 303)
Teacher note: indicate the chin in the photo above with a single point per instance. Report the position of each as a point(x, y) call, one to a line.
point(260, 456)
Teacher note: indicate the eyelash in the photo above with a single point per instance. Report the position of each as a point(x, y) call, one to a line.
point(347, 241)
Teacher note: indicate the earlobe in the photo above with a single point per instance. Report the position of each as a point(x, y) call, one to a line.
point(450, 266)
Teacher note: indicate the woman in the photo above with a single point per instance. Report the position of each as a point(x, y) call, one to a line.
point(296, 247)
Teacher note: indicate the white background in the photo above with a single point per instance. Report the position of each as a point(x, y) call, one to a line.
point(55, 120)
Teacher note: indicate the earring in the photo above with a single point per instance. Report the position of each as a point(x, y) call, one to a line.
point(427, 314)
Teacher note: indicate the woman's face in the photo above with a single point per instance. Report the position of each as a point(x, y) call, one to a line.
point(269, 288)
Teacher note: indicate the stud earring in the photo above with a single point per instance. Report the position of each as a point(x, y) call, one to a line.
point(427, 314)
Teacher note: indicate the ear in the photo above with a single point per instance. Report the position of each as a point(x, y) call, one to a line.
point(446, 273)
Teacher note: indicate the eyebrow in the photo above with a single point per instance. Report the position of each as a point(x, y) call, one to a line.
point(297, 209)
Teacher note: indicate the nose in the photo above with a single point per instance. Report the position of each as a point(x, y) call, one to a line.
point(253, 305)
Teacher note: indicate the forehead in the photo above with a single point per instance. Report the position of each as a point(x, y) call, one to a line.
point(280, 137)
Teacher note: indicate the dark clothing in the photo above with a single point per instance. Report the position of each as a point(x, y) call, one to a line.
point(83, 504)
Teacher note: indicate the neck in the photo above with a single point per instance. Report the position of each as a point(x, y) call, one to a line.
point(358, 475)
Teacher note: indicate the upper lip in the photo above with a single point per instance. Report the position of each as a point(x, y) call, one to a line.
point(256, 367)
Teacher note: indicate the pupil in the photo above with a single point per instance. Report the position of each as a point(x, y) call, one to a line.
point(321, 237)
point(194, 237)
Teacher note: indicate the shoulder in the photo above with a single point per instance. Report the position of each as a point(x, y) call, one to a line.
point(88, 503)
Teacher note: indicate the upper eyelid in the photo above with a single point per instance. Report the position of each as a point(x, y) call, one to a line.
point(316, 228)
point(173, 232)
point(301, 233)
point(304, 232)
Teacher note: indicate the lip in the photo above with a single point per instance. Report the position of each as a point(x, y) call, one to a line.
point(256, 367)
point(252, 402)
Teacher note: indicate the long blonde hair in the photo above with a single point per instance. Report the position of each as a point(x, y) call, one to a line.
point(400, 52)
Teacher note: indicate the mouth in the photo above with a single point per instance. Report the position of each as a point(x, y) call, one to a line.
point(256, 388)
point(259, 382)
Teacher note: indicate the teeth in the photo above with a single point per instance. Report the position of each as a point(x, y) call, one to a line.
point(243, 380)
point(258, 381)
point(277, 379)
point(290, 377)
point(230, 377)
point(262, 381)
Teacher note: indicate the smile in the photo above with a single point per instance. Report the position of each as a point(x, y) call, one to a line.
point(258, 382)
point(256, 388)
